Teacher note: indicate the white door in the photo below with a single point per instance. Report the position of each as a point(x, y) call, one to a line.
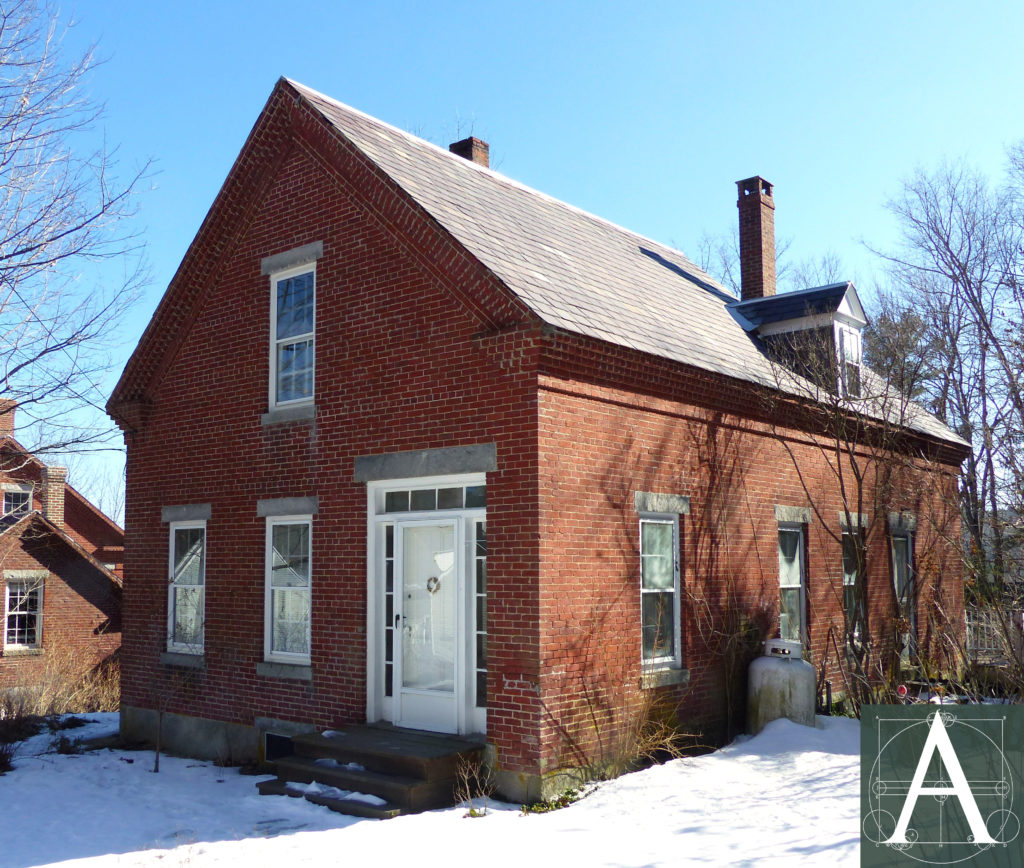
point(429, 585)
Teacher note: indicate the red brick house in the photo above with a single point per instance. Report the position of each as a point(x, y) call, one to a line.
point(409, 442)
point(61, 561)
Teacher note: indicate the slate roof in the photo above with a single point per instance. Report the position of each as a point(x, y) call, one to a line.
point(792, 305)
point(575, 271)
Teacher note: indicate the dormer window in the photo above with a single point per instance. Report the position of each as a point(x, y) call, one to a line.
point(848, 349)
point(814, 332)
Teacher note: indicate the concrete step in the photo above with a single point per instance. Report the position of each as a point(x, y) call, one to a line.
point(406, 753)
point(349, 807)
point(410, 794)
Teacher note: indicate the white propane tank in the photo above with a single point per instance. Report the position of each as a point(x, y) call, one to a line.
point(780, 684)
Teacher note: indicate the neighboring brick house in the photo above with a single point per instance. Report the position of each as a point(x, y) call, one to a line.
point(409, 442)
point(60, 562)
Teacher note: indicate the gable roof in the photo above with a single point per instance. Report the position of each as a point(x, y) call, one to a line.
point(34, 517)
point(572, 270)
point(579, 272)
point(7, 442)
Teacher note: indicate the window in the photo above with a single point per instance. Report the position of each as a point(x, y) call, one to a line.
point(436, 498)
point(903, 579)
point(186, 591)
point(289, 562)
point(17, 501)
point(24, 614)
point(291, 327)
point(659, 590)
point(792, 585)
point(848, 345)
point(851, 569)
point(480, 609)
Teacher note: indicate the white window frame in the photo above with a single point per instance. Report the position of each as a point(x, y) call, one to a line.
point(269, 654)
point(29, 582)
point(848, 344)
point(173, 585)
point(800, 530)
point(911, 601)
point(852, 534)
point(908, 537)
point(673, 661)
point(17, 488)
point(275, 278)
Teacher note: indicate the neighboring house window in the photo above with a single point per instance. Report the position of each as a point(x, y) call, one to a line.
point(291, 326)
point(792, 585)
point(186, 595)
point(17, 502)
point(24, 614)
point(851, 570)
point(849, 346)
point(289, 562)
point(659, 590)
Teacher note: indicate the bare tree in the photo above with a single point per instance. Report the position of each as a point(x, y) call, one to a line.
point(959, 269)
point(871, 460)
point(720, 255)
point(62, 216)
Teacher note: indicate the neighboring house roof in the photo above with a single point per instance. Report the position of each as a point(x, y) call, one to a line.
point(35, 518)
point(572, 270)
point(70, 492)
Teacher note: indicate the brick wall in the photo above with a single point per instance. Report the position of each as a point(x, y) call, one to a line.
point(405, 360)
point(419, 347)
point(599, 443)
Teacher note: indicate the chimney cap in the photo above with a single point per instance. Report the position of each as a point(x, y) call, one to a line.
point(473, 149)
point(756, 184)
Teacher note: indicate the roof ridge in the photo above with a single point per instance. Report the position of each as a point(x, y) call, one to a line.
point(793, 292)
point(511, 182)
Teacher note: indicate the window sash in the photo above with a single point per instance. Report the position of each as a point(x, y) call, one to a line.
point(293, 347)
point(902, 569)
point(792, 585)
point(849, 361)
point(186, 591)
point(16, 502)
point(23, 615)
point(850, 573)
point(288, 604)
point(659, 591)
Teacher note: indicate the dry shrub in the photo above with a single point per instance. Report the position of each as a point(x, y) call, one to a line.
point(474, 786)
point(656, 735)
point(62, 686)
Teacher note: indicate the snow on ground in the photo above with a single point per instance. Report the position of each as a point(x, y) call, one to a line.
point(788, 796)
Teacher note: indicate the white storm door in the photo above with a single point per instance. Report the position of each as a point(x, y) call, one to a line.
point(429, 638)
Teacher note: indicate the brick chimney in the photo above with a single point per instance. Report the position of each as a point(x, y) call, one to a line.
point(7, 408)
point(52, 493)
point(757, 238)
point(473, 149)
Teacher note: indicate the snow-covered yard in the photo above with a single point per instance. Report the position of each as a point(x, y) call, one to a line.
point(788, 796)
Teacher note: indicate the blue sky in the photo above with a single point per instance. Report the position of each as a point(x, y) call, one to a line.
point(644, 113)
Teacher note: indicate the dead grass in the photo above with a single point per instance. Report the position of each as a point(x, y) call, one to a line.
point(62, 687)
